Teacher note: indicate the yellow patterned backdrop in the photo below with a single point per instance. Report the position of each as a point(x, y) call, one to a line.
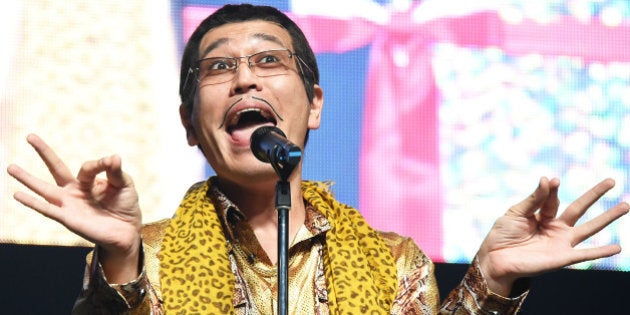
point(93, 78)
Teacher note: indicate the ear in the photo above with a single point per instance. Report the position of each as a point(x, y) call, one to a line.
point(315, 114)
point(185, 115)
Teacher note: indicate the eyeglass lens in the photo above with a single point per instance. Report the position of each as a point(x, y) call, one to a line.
point(216, 70)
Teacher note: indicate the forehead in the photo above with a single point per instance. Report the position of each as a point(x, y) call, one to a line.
point(243, 37)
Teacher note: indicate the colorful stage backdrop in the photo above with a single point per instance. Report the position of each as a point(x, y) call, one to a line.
point(439, 114)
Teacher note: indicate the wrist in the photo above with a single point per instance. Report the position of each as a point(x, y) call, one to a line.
point(121, 266)
point(497, 281)
point(501, 287)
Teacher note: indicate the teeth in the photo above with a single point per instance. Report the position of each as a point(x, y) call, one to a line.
point(262, 113)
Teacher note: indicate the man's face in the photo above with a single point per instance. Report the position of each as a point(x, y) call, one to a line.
point(224, 115)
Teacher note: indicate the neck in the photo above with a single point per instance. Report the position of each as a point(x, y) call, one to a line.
point(256, 200)
point(254, 196)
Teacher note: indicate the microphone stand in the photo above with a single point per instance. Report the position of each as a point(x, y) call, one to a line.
point(283, 205)
point(283, 168)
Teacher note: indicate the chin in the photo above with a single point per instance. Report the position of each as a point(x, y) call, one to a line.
point(250, 172)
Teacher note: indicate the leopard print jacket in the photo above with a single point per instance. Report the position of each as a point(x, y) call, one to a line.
point(417, 291)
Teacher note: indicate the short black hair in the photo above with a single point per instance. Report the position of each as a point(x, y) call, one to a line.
point(241, 13)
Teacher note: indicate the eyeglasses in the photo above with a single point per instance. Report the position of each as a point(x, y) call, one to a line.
point(215, 70)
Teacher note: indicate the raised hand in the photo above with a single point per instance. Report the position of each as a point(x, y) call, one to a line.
point(529, 239)
point(104, 211)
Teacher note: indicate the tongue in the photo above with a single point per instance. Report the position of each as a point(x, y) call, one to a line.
point(241, 136)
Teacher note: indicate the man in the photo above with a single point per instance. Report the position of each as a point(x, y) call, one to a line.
point(246, 67)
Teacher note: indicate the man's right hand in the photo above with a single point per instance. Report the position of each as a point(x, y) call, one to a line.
point(104, 211)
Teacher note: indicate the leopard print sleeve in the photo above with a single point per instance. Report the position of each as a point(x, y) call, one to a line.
point(418, 291)
point(100, 297)
point(472, 296)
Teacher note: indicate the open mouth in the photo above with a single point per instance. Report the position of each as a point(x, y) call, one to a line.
point(248, 118)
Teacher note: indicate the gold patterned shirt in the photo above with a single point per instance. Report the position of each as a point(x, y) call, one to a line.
point(256, 278)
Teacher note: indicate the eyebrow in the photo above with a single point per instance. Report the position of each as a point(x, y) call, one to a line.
point(224, 40)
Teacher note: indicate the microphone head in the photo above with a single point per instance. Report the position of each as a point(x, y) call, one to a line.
point(255, 142)
point(270, 145)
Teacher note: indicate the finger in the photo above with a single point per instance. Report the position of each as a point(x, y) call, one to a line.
point(593, 226)
point(46, 190)
point(115, 176)
point(578, 207)
point(529, 205)
point(55, 165)
point(588, 254)
point(45, 208)
point(110, 165)
point(549, 209)
point(89, 170)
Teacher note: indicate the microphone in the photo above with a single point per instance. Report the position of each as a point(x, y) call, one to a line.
point(270, 145)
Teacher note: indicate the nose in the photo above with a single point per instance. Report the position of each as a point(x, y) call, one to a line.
point(244, 78)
